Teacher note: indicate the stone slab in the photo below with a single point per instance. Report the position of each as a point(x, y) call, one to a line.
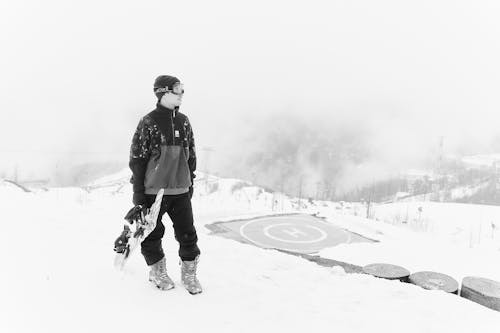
point(481, 290)
point(434, 281)
point(387, 271)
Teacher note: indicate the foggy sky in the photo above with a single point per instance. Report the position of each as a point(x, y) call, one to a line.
point(76, 77)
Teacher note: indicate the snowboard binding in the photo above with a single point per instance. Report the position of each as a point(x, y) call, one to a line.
point(121, 243)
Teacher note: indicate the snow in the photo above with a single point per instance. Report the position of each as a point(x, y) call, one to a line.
point(466, 191)
point(58, 274)
point(450, 238)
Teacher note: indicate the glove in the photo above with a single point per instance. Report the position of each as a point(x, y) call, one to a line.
point(136, 214)
point(139, 198)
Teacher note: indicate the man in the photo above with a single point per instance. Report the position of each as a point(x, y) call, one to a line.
point(163, 155)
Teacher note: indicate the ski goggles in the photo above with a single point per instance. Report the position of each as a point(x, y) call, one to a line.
point(177, 89)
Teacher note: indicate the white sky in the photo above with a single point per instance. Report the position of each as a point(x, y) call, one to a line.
point(76, 76)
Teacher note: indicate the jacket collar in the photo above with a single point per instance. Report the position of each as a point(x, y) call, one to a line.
point(161, 108)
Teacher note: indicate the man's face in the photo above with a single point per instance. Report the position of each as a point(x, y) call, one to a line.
point(169, 99)
point(173, 98)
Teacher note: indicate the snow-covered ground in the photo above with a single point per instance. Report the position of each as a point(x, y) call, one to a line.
point(454, 239)
point(58, 276)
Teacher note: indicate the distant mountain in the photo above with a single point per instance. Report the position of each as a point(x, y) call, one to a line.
point(481, 161)
point(470, 179)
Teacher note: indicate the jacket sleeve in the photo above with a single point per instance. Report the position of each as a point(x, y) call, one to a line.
point(192, 152)
point(140, 152)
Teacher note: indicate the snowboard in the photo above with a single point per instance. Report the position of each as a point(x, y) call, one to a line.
point(133, 235)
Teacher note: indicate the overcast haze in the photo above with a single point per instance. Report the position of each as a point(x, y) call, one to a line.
point(76, 77)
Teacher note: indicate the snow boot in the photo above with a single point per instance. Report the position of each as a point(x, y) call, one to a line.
point(158, 275)
point(188, 276)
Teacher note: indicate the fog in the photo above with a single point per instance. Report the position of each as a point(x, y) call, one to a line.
point(386, 78)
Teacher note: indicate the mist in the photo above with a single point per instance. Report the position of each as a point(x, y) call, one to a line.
point(378, 83)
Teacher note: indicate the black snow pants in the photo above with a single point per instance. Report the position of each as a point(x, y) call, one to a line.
point(178, 208)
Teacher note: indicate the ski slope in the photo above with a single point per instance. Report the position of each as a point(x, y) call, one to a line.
point(57, 275)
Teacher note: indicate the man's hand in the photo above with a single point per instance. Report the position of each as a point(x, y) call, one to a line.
point(193, 176)
point(139, 198)
point(136, 214)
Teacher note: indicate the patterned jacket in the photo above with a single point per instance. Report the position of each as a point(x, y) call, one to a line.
point(162, 154)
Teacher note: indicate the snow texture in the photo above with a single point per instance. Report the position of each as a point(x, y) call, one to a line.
point(58, 274)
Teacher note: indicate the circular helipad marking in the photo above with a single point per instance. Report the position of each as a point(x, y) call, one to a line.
point(301, 234)
point(294, 231)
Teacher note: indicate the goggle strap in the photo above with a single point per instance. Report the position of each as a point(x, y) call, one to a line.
point(176, 89)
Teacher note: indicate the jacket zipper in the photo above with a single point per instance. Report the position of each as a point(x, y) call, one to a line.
point(172, 124)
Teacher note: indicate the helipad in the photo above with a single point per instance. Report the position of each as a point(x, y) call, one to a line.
point(295, 233)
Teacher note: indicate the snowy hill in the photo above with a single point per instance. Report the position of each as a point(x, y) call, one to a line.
point(58, 276)
point(211, 193)
point(470, 179)
point(478, 161)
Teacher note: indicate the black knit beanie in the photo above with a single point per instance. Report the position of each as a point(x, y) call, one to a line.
point(164, 81)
